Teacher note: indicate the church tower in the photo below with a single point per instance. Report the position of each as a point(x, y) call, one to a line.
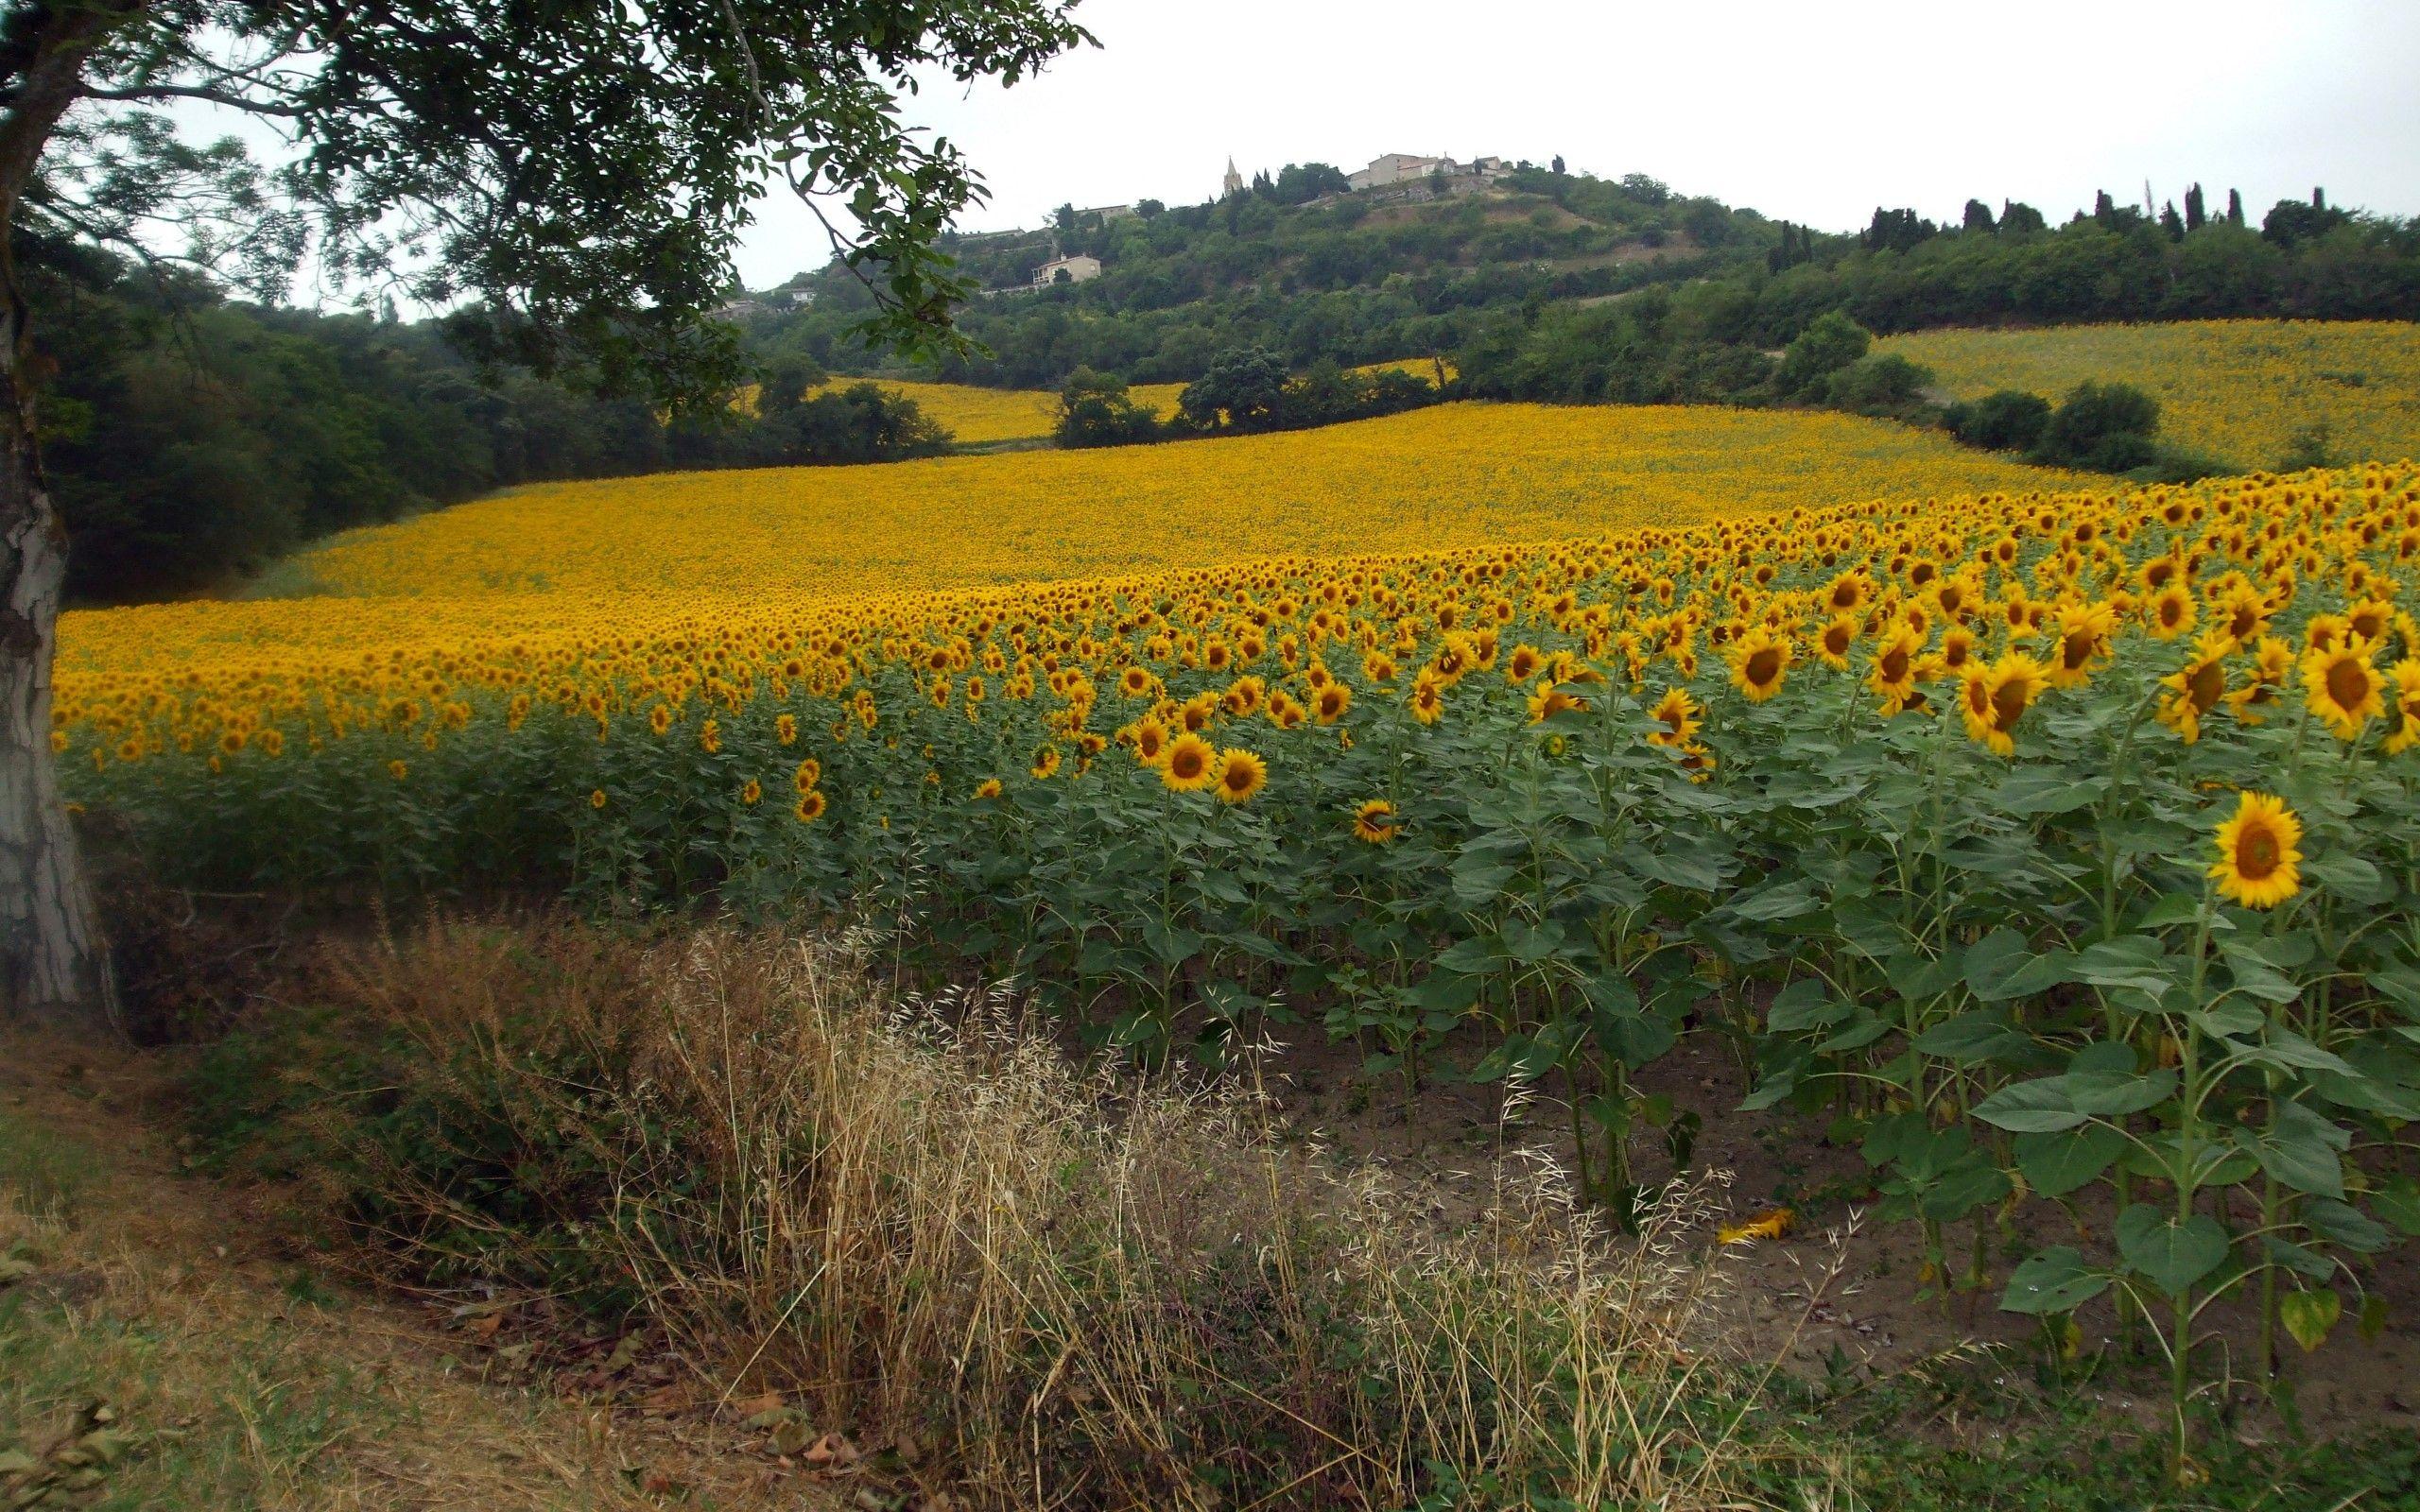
point(1234, 182)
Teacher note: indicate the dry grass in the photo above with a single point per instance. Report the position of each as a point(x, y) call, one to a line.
point(159, 1352)
point(921, 1220)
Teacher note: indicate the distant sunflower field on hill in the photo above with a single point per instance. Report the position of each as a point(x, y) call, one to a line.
point(976, 416)
point(1449, 475)
point(2247, 391)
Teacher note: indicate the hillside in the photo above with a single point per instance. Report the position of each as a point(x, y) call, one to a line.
point(1367, 276)
point(2250, 393)
point(1355, 278)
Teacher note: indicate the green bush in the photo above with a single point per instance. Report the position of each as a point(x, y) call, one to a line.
point(1829, 344)
point(2106, 427)
point(2008, 420)
point(1095, 410)
point(1885, 387)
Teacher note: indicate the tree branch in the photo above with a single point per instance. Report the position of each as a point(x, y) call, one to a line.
point(191, 91)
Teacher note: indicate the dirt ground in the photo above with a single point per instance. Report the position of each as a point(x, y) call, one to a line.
point(222, 1367)
point(1876, 1317)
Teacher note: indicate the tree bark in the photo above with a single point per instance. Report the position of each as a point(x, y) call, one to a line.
point(54, 965)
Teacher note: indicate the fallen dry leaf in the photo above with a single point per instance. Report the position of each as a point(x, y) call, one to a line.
point(831, 1452)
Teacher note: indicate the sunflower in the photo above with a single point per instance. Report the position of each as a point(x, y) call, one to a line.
point(2273, 665)
point(1135, 682)
point(1677, 718)
point(2170, 613)
point(2322, 633)
point(1427, 698)
point(1847, 594)
point(750, 792)
point(989, 788)
point(1241, 773)
point(1551, 700)
point(1523, 662)
point(809, 772)
point(1992, 698)
point(1151, 742)
point(2246, 611)
point(2197, 687)
point(1896, 668)
point(1833, 645)
point(710, 737)
point(1453, 658)
point(1330, 704)
point(1957, 649)
point(660, 718)
point(2341, 686)
point(785, 730)
point(1045, 761)
point(596, 798)
point(1191, 764)
point(811, 807)
point(2369, 619)
point(2403, 711)
point(2083, 644)
point(1373, 823)
point(1760, 663)
point(1243, 697)
point(2259, 864)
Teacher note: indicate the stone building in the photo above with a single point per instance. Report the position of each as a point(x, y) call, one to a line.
point(1081, 269)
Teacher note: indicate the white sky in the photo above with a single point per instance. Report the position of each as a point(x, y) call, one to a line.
point(1805, 111)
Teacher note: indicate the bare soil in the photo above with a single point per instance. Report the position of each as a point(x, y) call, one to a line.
point(1880, 1316)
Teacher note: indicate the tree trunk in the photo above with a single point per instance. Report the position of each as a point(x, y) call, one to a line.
point(54, 967)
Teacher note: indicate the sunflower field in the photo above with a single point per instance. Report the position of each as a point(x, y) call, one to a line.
point(2058, 847)
point(976, 416)
point(2249, 392)
point(1447, 474)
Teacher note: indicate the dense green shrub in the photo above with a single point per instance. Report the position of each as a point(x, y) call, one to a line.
point(2004, 422)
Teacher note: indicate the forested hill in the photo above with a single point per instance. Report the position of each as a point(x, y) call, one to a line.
point(1301, 268)
point(1367, 276)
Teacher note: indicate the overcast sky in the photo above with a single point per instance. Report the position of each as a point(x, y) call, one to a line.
point(1810, 113)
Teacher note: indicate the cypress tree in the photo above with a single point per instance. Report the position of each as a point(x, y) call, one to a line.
point(2235, 207)
point(2196, 213)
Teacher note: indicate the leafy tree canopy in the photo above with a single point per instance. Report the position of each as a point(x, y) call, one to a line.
point(582, 168)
